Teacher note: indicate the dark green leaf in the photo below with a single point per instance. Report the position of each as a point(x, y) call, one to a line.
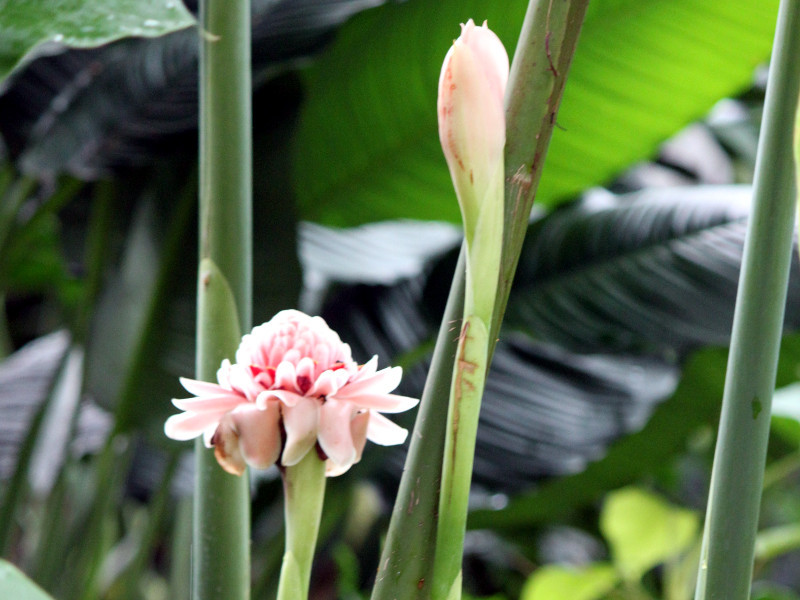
point(653, 271)
point(87, 112)
point(81, 23)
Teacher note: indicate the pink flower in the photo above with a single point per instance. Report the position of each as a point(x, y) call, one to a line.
point(472, 126)
point(294, 386)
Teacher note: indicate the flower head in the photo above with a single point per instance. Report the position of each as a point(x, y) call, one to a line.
point(472, 126)
point(294, 386)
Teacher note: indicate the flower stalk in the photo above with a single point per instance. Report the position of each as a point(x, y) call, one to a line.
point(303, 492)
point(726, 562)
point(222, 501)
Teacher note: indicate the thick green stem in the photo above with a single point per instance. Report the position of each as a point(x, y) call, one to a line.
point(535, 86)
point(221, 555)
point(726, 561)
point(304, 492)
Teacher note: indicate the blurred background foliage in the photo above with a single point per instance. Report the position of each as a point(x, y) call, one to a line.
point(603, 399)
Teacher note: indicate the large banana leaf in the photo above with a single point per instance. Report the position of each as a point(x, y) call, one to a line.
point(654, 271)
point(368, 148)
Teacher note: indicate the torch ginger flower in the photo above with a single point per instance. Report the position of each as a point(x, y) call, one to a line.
point(294, 386)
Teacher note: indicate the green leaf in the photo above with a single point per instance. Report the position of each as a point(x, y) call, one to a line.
point(643, 530)
point(14, 584)
point(24, 26)
point(642, 71)
point(553, 582)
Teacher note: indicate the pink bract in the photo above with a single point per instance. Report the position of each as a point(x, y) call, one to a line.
point(294, 386)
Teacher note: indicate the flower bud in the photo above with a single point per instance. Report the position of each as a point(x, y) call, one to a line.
point(472, 126)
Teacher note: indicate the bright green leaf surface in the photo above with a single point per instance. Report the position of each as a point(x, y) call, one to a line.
point(14, 584)
point(552, 582)
point(25, 24)
point(644, 530)
point(368, 145)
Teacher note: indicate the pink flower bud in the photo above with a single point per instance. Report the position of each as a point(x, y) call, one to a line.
point(472, 126)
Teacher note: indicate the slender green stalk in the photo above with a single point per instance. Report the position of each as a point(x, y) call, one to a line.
point(726, 561)
point(407, 558)
point(462, 427)
point(549, 37)
point(304, 492)
point(221, 538)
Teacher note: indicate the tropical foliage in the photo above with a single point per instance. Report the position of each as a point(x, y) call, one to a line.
point(604, 393)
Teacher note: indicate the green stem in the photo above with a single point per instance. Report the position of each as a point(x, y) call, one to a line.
point(726, 561)
point(535, 86)
point(406, 562)
point(304, 492)
point(221, 538)
point(469, 377)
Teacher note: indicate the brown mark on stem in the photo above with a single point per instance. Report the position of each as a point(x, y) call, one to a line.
point(552, 68)
point(463, 366)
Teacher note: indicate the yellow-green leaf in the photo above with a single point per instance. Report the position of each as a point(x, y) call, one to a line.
point(643, 530)
point(555, 582)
